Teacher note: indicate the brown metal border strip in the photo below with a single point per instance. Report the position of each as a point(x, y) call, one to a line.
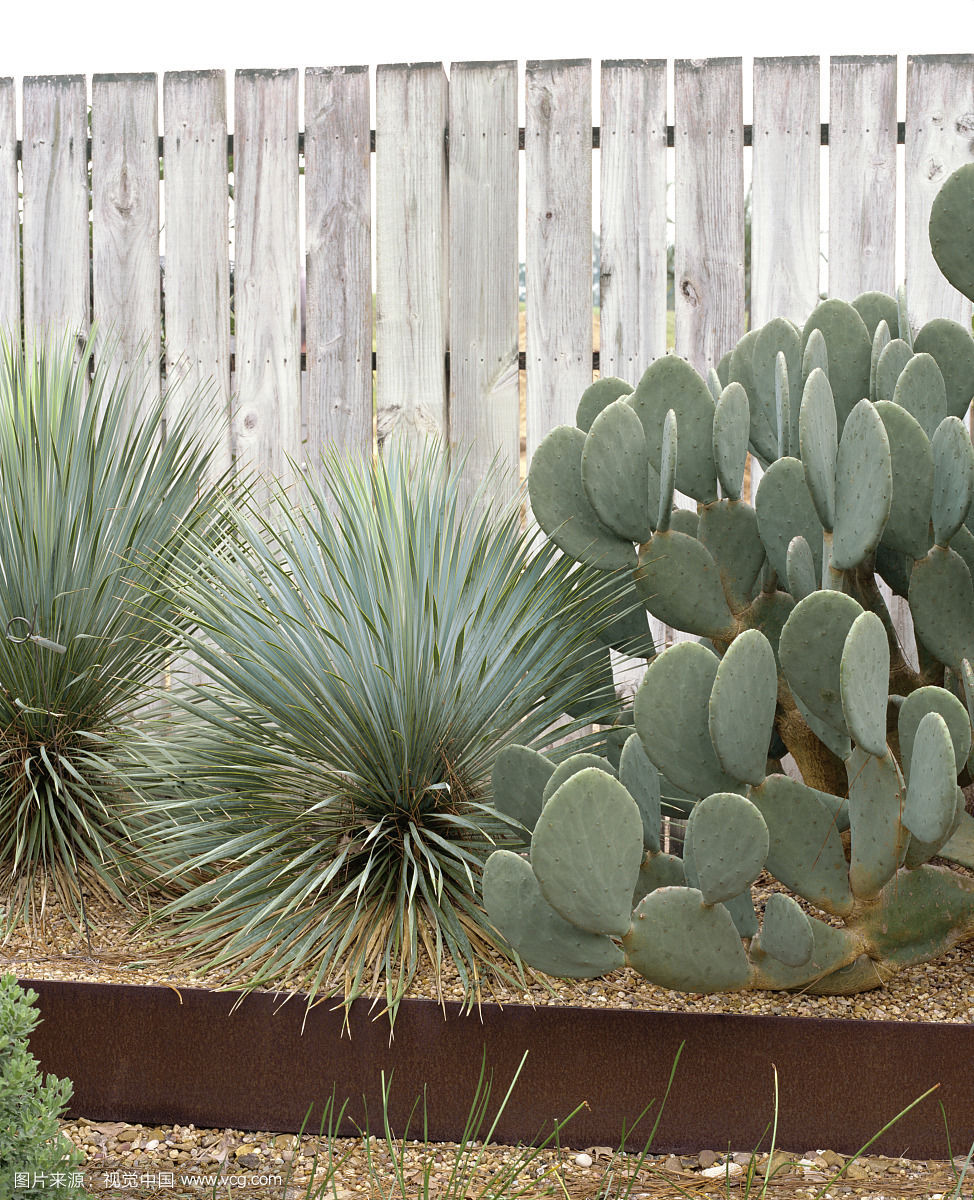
point(153, 1055)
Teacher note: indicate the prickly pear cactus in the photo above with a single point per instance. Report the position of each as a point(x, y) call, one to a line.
point(803, 734)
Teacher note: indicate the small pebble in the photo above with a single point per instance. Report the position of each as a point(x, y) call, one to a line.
point(728, 1170)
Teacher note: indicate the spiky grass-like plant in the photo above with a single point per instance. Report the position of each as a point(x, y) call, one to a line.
point(88, 485)
point(366, 667)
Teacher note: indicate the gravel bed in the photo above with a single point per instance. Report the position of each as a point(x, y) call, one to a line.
point(135, 1161)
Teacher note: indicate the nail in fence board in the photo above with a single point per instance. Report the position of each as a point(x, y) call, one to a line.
point(558, 252)
point(786, 142)
point(55, 169)
point(267, 299)
point(939, 139)
point(412, 252)
point(9, 216)
point(862, 175)
point(338, 206)
point(125, 224)
point(709, 259)
point(484, 413)
point(632, 241)
point(197, 272)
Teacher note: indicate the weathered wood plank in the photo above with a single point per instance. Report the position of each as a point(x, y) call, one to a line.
point(338, 339)
point(939, 139)
point(484, 410)
point(558, 251)
point(125, 224)
point(632, 239)
point(197, 272)
point(785, 190)
point(9, 214)
point(412, 252)
point(55, 173)
point(862, 175)
point(267, 300)
point(709, 246)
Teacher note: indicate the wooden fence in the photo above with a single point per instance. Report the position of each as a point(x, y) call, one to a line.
point(444, 159)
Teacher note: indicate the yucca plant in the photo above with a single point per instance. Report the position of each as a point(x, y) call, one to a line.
point(88, 488)
point(368, 655)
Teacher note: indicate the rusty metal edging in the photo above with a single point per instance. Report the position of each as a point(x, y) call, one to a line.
point(155, 1056)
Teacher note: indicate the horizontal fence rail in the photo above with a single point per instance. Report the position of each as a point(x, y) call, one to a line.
point(317, 324)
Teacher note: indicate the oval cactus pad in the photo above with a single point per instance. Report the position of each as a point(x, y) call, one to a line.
point(586, 850)
point(671, 383)
point(811, 648)
point(742, 706)
point(863, 487)
point(931, 793)
point(518, 780)
point(849, 346)
point(671, 715)
point(942, 604)
point(562, 508)
point(615, 472)
point(527, 921)
point(729, 841)
point(786, 932)
point(678, 942)
point(864, 682)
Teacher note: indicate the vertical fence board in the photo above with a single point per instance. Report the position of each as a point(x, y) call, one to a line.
point(709, 259)
point(55, 170)
point(267, 299)
point(197, 273)
point(412, 252)
point(338, 206)
point(785, 195)
point(558, 251)
point(939, 139)
point(785, 191)
point(484, 407)
point(632, 240)
point(862, 175)
point(9, 213)
point(125, 223)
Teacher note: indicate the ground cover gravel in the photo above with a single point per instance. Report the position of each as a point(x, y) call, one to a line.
point(186, 1163)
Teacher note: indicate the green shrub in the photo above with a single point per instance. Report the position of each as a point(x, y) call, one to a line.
point(30, 1106)
point(331, 785)
point(85, 492)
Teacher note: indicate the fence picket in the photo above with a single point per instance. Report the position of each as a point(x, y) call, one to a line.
point(9, 215)
point(632, 241)
point(267, 301)
point(558, 251)
point(55, 171)
point(484, 406)
point(709, 258)
point(862, 175)
point(197, 271)
point(412, 252)
point(338, 327)
point(125, 223)
point(939, 132)
point(785, 190)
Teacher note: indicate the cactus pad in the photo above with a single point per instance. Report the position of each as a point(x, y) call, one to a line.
point(586, 851)
point(540, 936)
point(729, 845)
point(562, 508)
point(679, 942)
point(518, 780)
point(742, 706)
